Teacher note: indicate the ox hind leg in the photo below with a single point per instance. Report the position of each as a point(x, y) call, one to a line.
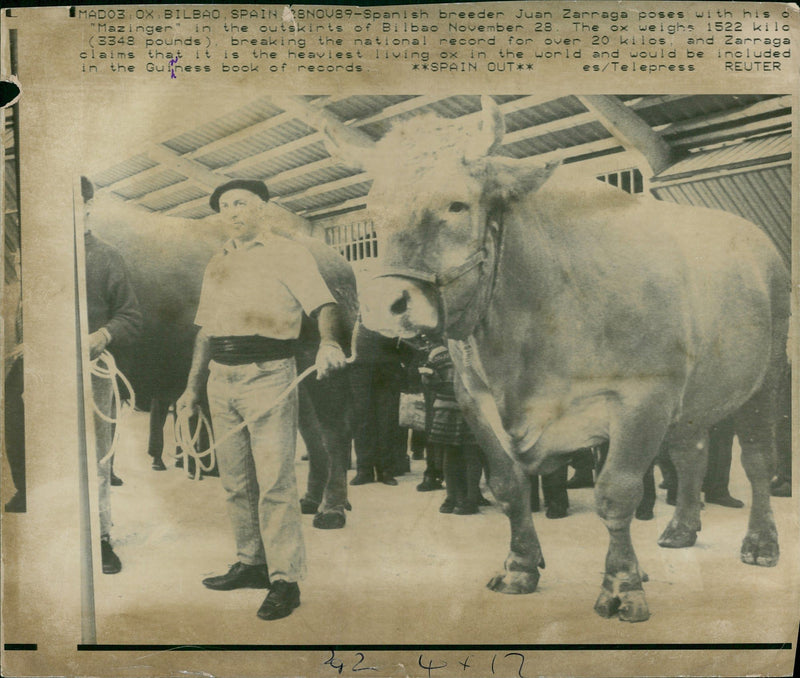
point(511, 487)
point(755, 425)
point(618, 491)
point(689, 454)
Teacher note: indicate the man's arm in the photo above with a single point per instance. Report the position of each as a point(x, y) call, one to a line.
point(330, 355)
point(125, 321)
point(198, 373)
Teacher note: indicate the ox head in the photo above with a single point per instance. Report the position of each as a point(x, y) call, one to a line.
point(438, 200)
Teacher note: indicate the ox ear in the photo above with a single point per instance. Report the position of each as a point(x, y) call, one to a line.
point(490, 131)
point(509, 179)
point(344, 146)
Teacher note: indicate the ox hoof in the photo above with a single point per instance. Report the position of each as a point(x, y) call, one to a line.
point(514, 582)
point(633, 607)
point(629, 606)
point(677, 536)
point(760, 549)
point(331, 520)
point(606, 604)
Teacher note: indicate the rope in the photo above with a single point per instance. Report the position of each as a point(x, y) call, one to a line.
point(105, 367)
point(186, 440)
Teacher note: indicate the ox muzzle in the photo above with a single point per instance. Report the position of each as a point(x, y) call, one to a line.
point(406, 303)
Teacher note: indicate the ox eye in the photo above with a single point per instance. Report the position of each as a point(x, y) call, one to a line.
point(456, 207)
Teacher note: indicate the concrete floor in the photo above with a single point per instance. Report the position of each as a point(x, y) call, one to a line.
point(401, 573)
point(400, 570)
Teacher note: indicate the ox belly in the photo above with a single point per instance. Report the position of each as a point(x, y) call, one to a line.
point(553, 426)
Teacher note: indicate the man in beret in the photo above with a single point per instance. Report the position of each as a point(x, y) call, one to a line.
point(252, 300)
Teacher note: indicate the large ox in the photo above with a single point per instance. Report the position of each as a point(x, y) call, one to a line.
point(577, 314)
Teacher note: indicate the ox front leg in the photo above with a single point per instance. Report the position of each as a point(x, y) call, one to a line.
point(618, 491)
point(512, 488)
point(690, 456)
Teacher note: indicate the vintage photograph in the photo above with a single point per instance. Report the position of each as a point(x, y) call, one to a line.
point(482, 379)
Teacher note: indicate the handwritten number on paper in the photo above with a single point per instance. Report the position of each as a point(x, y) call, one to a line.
point(521, 662)
point(363, 668)
point(334, 662)
point(430, 667)
point(466, 663)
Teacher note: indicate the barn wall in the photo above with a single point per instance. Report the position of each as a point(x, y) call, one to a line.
point(763, 196)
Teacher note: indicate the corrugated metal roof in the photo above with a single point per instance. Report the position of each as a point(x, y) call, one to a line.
point(314, 178)
point(330, 197)
point(762, 196)
point(251, 114)
point(181, 195)
point(136, 164)
point(279, 150)
point(760, 150)
point(663, 110)
point(149, 184)
point(362, 106)
point(277, 163)
point(255, 144)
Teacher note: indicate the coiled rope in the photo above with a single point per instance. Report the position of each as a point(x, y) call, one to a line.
point(105, 367)
point(186, 439)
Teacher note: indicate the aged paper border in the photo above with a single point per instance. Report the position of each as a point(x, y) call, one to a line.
point(55, 123)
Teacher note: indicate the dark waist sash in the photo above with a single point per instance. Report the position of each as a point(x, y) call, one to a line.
point(250, 349)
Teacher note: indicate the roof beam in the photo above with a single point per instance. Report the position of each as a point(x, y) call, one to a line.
point(629, 129)
point(185, 166)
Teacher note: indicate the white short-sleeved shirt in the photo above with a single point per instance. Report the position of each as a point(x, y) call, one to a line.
point(260, 288)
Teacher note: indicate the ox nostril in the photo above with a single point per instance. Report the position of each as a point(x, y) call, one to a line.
point(401, 305)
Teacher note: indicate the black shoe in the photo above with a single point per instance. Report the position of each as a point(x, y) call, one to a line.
point(362, 479)
point(17, 504)
point(779, 489)
point(158, 464)
point(724, 500)
point(330, 520)
point(388, 479)
point(179, 462)
point(240, 576)
point(483, 501)
point(282, 599)
point(556, 510)
point(308, 507)
point(644, 513)
point(116, 481)
point(448, 506)
point(418, 455)
point(429, 484)
point(111, 562)
point(466, 508)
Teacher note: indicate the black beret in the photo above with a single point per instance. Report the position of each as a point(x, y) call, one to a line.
point(87, 189)
point(252, 185)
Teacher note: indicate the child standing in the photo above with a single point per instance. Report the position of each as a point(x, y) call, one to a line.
point(450, 436)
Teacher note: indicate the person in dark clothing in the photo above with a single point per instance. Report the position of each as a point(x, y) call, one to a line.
point(781, 485)
point(718, 471)
point(14, 414)
point(450, 437)
point(114, 322)
point(14, 428)
point(376, 378)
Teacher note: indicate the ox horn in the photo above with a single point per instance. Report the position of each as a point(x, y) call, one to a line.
point(490, 131)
